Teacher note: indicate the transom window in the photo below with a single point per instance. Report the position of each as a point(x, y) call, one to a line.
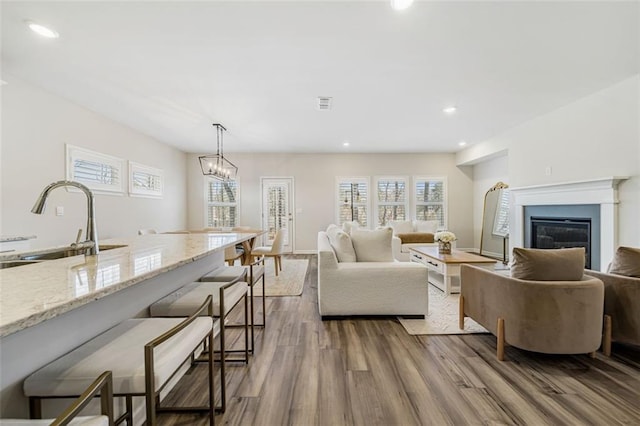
point(99, 172)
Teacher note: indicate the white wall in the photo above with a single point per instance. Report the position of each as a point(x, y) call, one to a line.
point(36, 125)
point(315, 187)
point(594, 137)
point(485, 175)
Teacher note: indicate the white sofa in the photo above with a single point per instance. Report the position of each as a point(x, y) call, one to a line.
point(407, 227)
point(369, 288)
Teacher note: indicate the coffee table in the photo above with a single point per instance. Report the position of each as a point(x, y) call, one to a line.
point(444, 269)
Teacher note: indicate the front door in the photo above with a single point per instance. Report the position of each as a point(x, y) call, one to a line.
point(277, 210)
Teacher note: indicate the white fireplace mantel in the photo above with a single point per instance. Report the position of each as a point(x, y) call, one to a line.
point(603, 191)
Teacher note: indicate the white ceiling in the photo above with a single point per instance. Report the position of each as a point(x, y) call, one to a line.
point(170, 69)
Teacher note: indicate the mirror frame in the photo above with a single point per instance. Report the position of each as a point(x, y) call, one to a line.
point(498, 186)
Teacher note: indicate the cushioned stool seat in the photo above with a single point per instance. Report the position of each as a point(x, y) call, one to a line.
point(225, 274)
point(119, 349)
point(78, 421)
point(100, 386)
point(122, 350)
point(225, 296)
point(185, 301)
point(234, 273)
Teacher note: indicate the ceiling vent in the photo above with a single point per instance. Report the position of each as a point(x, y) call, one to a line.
point(324, 103)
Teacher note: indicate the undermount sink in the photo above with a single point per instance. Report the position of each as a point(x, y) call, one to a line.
point(13, 263)
point(59, 254)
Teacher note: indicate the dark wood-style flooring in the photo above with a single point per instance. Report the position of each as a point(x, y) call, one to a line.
point(369, 371)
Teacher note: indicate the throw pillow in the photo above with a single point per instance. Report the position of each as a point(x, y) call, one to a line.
point(428, 226)
point(342, 246)
point(401, 226)
point(332, 229)
point(548, 265)
point(348, 227)
point(416, 237)
point(626, 262)
point(373, 246)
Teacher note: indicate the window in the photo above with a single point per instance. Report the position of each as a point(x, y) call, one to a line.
point(99, 172)
point(353, 200)
point(391, 199)
point(431, 200)
point(145, 181)
point(222, 203)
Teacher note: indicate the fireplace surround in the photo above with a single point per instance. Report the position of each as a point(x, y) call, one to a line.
point(601, 194)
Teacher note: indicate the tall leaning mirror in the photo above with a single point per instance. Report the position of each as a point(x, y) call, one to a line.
point(495, 223)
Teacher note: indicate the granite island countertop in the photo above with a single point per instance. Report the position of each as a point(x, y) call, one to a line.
point(31, 294)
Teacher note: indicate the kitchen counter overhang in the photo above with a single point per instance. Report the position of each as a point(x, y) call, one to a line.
point(34, 293)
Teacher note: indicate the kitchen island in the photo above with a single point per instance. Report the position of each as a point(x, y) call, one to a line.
point(52, 306)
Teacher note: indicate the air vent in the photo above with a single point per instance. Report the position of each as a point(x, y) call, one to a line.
point(324, 103)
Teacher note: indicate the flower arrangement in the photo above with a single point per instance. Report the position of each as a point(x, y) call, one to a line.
point(445, 236)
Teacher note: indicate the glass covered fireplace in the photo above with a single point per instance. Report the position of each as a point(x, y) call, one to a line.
point(558, 232)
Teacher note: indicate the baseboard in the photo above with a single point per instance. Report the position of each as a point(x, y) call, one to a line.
point(305, 252)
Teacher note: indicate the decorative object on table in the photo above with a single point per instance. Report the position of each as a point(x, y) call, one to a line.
point(217, 166)
point(444, 239)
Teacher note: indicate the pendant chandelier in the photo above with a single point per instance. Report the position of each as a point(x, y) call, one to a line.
point(216, 165)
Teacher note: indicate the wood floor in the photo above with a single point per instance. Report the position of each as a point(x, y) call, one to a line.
point(371, 372)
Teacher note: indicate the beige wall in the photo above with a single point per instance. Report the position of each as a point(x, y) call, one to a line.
point(315, 187)
point(36, 125)
point(594, 137)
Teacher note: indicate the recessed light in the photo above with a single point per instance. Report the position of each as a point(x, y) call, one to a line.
point(346, 143)
point(400, 4)
point(462, 143)
point(450, 110)
point(42, 30)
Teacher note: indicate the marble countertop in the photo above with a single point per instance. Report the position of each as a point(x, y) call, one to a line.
point(33, 293)
point(11, 238)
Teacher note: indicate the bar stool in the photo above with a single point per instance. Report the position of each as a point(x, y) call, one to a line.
point(225, 296)
point(102, 386)
point(138, 368)
point(234, 273)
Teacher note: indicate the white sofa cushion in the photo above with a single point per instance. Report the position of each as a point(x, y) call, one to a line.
point(348, 227)
point(400, 226)
point(428, 226)
point(342, 245)
point(373, 246)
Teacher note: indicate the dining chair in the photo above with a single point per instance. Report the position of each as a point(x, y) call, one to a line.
point(231, 254)
point(275, 250)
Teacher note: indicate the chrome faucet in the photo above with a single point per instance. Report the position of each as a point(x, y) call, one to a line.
point(91, 242)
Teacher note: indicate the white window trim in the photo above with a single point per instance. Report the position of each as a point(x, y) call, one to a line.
point(142, 192)
point(408, 195)
point(73, 152)
point(445, 203)
point(205, 220)
point(353, 179)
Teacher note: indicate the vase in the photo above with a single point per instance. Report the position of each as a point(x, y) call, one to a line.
point(444, 247)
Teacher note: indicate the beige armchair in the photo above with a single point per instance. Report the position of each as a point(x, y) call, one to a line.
point(553, 317)
point(621, 309)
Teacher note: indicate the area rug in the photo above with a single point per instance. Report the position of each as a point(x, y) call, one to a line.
point(289, 281)
point(442, 318)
